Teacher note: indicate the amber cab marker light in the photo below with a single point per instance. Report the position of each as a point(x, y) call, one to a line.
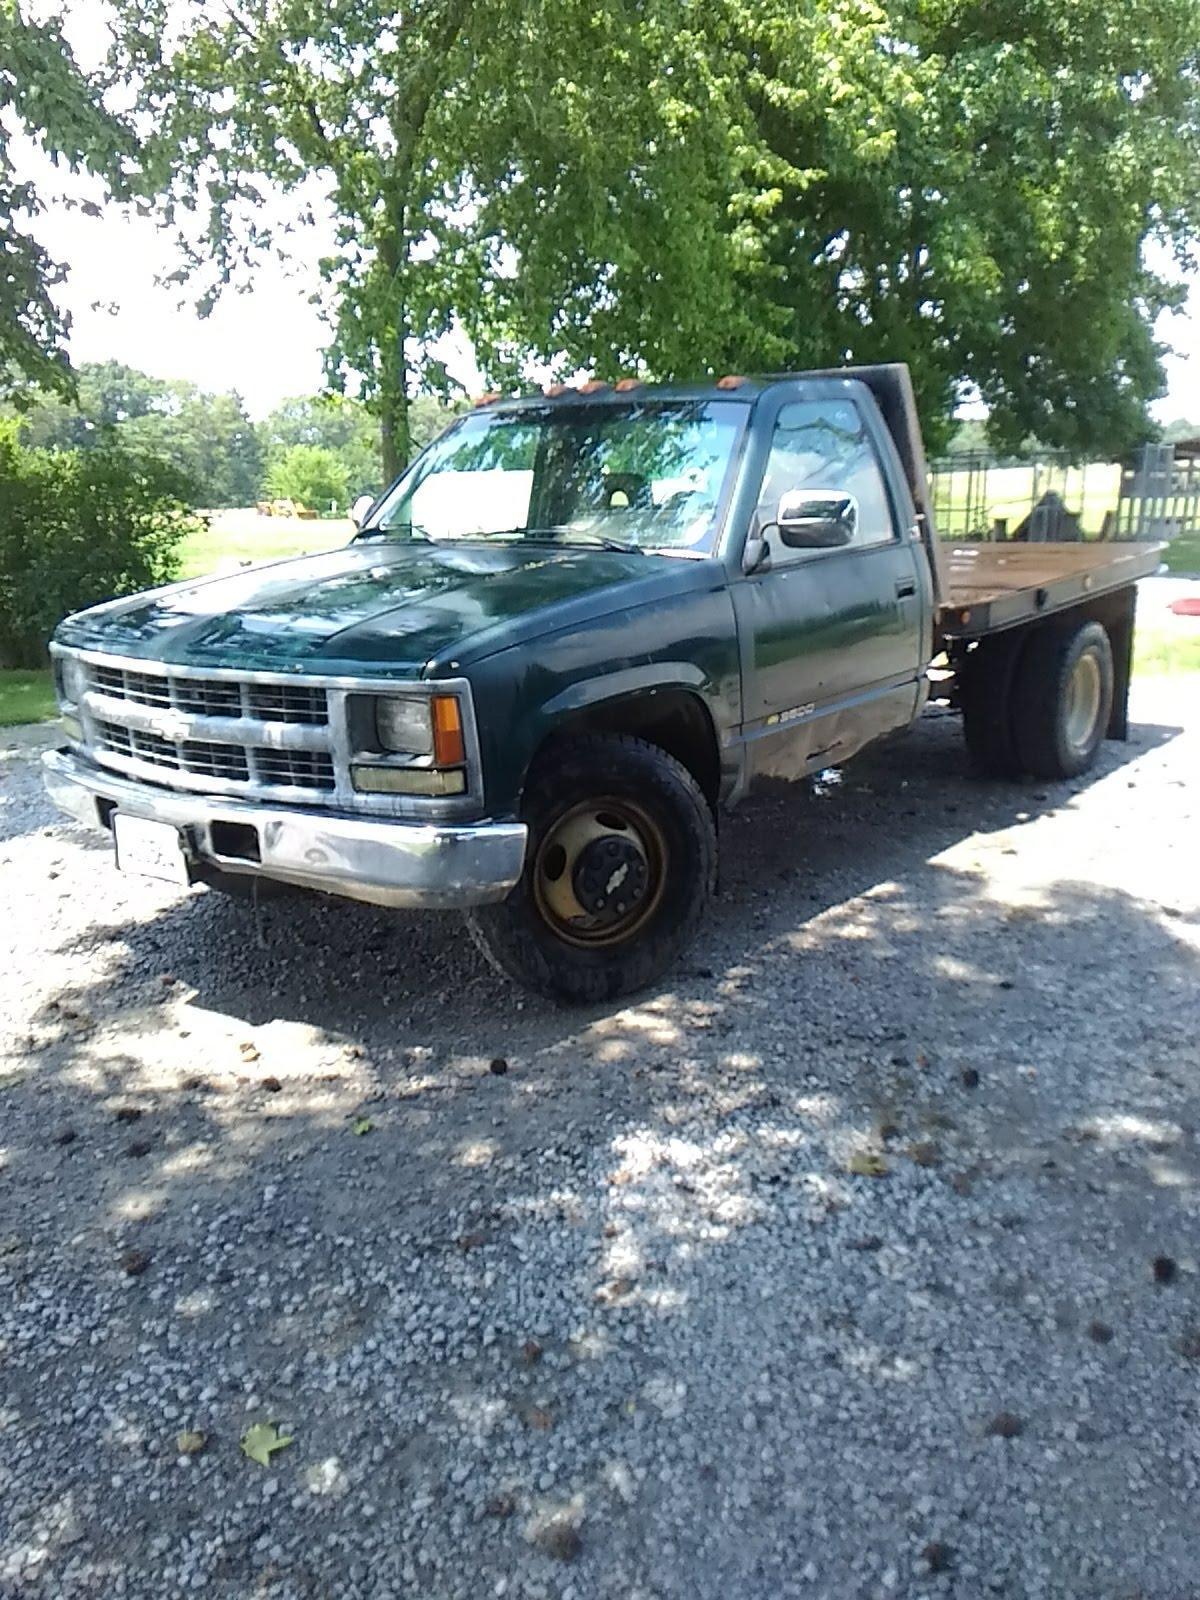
point(593, 386)
point(553, 390)
point(624, 385)
point(730, 381)
point(487, 399)
point(448, 747)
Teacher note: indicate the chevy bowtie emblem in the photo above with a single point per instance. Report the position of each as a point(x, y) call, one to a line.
point(170, 726)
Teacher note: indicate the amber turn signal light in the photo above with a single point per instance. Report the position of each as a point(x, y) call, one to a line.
point(448, 747)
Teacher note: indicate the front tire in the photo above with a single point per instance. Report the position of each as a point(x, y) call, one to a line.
point(620, 866)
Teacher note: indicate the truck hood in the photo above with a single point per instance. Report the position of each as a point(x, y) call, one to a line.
point(383, 607)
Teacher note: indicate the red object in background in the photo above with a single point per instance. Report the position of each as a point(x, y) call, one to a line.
point(1186, 608)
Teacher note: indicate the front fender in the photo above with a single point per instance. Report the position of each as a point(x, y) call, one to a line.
point(526, 693)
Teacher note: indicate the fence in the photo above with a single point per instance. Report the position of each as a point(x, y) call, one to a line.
point(1053, 497)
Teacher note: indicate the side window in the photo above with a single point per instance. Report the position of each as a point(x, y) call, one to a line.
point(824, 444)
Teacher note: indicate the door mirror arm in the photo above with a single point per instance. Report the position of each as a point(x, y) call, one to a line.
point(756, 553)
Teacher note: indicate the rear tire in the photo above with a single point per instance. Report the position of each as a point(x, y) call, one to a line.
point(621, 864)
point(1063, 699)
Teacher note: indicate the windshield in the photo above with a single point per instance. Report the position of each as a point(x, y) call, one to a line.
point(647, 476)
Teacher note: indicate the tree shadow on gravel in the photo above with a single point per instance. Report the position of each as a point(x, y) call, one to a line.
point(684, 1275)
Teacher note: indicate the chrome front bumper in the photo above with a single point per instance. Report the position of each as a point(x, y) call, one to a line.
point(435, 865)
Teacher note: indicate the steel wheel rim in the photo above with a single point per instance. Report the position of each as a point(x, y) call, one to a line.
point(574, 849)
point(1084, 692)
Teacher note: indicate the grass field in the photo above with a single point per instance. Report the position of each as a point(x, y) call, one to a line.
point(233, 538)
point(25, 697)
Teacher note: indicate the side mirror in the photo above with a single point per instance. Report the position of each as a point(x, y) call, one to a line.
point(358, 511)
point(816, 519)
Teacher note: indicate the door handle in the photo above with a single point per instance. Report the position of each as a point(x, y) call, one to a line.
point(905, 588)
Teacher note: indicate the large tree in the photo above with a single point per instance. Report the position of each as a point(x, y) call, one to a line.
point(467, 148)
point(679, 186)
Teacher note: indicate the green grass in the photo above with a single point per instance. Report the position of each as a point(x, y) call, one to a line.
point(233, 537)
point(1183, 553)
point(1164, 654)
point(25, 697)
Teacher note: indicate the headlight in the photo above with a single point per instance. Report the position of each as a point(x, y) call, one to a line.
point(405, 726)
point(72, 679)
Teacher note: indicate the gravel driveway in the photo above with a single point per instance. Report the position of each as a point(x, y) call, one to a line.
point(595, 1303)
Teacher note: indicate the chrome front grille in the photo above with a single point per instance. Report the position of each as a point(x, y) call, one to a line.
point(274, 737)
point(262, 736)
point(213, 697)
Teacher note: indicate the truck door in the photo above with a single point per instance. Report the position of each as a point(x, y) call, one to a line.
point(833, 641)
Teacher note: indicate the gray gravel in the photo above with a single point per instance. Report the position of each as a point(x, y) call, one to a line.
point(581, 1304)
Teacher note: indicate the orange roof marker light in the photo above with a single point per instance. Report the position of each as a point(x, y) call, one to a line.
point(624, 385)
point(553, 390)
point(594, 386)
point(487, 399)
point(730, 381)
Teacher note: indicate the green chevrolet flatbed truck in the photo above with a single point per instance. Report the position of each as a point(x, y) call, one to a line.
point(579, 625)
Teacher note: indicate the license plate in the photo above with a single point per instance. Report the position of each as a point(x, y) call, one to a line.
point(150, 849)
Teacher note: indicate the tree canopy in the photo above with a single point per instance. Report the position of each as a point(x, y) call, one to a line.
point(675, 187)
point(44, 95)
point(207, 438)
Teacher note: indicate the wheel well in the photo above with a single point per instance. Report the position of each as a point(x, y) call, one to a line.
point(676, 720)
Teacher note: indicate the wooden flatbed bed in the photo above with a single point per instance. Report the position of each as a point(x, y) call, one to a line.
point(988, 588)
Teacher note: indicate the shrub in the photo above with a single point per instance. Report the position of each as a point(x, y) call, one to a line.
point(78, 527)
point(309, 473)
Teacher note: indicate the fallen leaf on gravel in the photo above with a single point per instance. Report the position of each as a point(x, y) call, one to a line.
point(249, 1050)
point(262, 1440)
point(970, 1078)
point(867, 1164)
point(272, 1085)
point(558, 1536)
point(961, 1184)
point(924, 1153)
point(1164, 1269)
point(190, 1442)
point(616, 1289)
point(135, 1262)
point(138, 1149)
point(936, 1556)
point(1005, 1425)
point(1100, 1332)
point(621, 1176)
point(538, 1417)
point(500, 1505)
point(361, 1125)
point(66, 1136)
point(127, 1113)
point(531, 1352)
point(871, 1242)
point(472, 1241)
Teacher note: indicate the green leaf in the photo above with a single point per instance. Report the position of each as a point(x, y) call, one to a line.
point(261, 1441)
point(362, 1125)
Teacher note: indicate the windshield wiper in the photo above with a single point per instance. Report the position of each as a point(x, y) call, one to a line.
point(402, 530)
point(601, 541)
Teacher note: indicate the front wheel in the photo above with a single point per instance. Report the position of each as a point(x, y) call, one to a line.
point(620, 866)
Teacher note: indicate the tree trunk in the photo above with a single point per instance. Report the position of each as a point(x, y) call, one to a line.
point(395, 439)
